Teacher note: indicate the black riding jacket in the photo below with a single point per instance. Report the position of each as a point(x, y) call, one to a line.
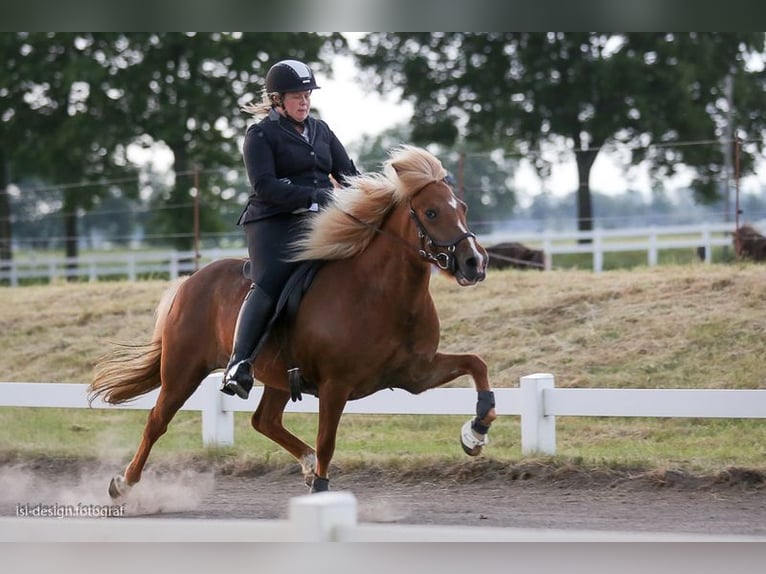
point(285, 170)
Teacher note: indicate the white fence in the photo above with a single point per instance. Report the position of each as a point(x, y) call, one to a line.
point(537, 401)
point(652, 240)
point(132, 265)
point(320, 517)
point(95, 266)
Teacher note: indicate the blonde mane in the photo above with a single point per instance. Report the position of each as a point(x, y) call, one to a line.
point(336, 232)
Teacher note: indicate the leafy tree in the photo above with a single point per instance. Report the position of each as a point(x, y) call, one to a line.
point(522, 92)
point(59, 119)
point(71, 104)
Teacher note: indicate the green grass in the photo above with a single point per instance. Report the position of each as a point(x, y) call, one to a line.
point(697, 445)
point(625, 260)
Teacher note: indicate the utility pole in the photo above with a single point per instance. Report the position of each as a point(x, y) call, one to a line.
point(727, 144)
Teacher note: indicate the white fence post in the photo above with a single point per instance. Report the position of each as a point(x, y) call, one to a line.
point(598, 251)
point(315, 517)
point(652, 256)
point(538, 431)
point(707, 243)
point(547, 253)
point(174, 266)
point(217, 424)
point(14, 274)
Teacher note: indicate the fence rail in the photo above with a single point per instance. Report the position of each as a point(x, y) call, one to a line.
point(598, 242)
point(536, 401)
point(135, 264)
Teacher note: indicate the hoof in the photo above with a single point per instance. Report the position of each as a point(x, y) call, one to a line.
point(118, 487)
point(476, 451)
point(308, 464)
point(471, 441)
point(320, 484)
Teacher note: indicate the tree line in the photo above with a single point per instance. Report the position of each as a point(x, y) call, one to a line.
point(72, 104)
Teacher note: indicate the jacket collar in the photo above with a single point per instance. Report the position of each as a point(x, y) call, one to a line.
point(286, 125)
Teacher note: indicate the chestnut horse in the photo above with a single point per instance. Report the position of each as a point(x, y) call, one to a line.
point(366, 323)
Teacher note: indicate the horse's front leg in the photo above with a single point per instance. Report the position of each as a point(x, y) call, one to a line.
point(445, 368)
point(332, 401)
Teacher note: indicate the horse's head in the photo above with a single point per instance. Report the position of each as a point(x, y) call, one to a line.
point(445, 239)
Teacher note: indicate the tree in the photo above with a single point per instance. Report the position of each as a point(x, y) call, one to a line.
point(523, 92)
point(59, 120)
point(74, 103)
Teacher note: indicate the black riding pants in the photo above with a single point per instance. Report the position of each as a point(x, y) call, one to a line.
point(268, 242)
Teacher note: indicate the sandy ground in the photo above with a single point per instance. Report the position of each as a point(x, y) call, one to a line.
point(478, 493)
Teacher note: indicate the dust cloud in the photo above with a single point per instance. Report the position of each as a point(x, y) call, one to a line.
point(29, 484)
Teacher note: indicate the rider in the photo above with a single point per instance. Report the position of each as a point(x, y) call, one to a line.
point(289, 157)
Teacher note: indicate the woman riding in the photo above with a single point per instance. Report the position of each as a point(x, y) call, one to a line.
point(289, 157)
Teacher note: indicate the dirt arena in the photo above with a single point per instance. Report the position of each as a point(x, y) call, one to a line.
point(480, 492)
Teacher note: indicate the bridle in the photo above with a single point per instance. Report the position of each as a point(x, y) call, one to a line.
point(444, 260)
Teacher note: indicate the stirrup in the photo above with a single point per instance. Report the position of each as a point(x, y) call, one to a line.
point(238, 380)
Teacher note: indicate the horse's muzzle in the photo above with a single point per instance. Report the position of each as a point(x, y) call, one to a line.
point(471, 266)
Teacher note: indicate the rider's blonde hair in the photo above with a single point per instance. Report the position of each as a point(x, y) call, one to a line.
point(261, 108)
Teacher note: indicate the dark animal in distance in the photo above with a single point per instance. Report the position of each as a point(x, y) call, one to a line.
point(749, 243)
point(515, 255)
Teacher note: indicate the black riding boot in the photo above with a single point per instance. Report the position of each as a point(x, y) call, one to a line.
point(253, 318)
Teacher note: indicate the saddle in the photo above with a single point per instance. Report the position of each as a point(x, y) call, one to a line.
point(285, 311)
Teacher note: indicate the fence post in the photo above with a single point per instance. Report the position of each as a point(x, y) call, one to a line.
point(174, 266)
point(316, 516)
point(14, 274)
point(598, 251)
point(538, 431)
point(132, 267)
point(652, 255)
point(217, 424)
point(706, 240)
point(547, 252)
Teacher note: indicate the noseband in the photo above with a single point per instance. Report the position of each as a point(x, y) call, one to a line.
point(429, 247)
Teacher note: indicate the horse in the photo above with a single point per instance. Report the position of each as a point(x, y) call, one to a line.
point(515, 255)
point(749, 243)
point(367, 321)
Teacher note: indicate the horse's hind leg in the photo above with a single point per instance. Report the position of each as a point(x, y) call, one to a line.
point(169, 401)
point(267, 420)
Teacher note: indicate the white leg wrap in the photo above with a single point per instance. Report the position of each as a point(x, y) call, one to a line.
point(471, 439)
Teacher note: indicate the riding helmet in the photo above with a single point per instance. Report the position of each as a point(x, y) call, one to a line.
point(290, 76)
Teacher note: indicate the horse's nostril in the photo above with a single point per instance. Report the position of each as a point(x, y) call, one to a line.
point(471, 263)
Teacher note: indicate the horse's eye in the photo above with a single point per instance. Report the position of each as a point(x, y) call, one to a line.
point(430, 213)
